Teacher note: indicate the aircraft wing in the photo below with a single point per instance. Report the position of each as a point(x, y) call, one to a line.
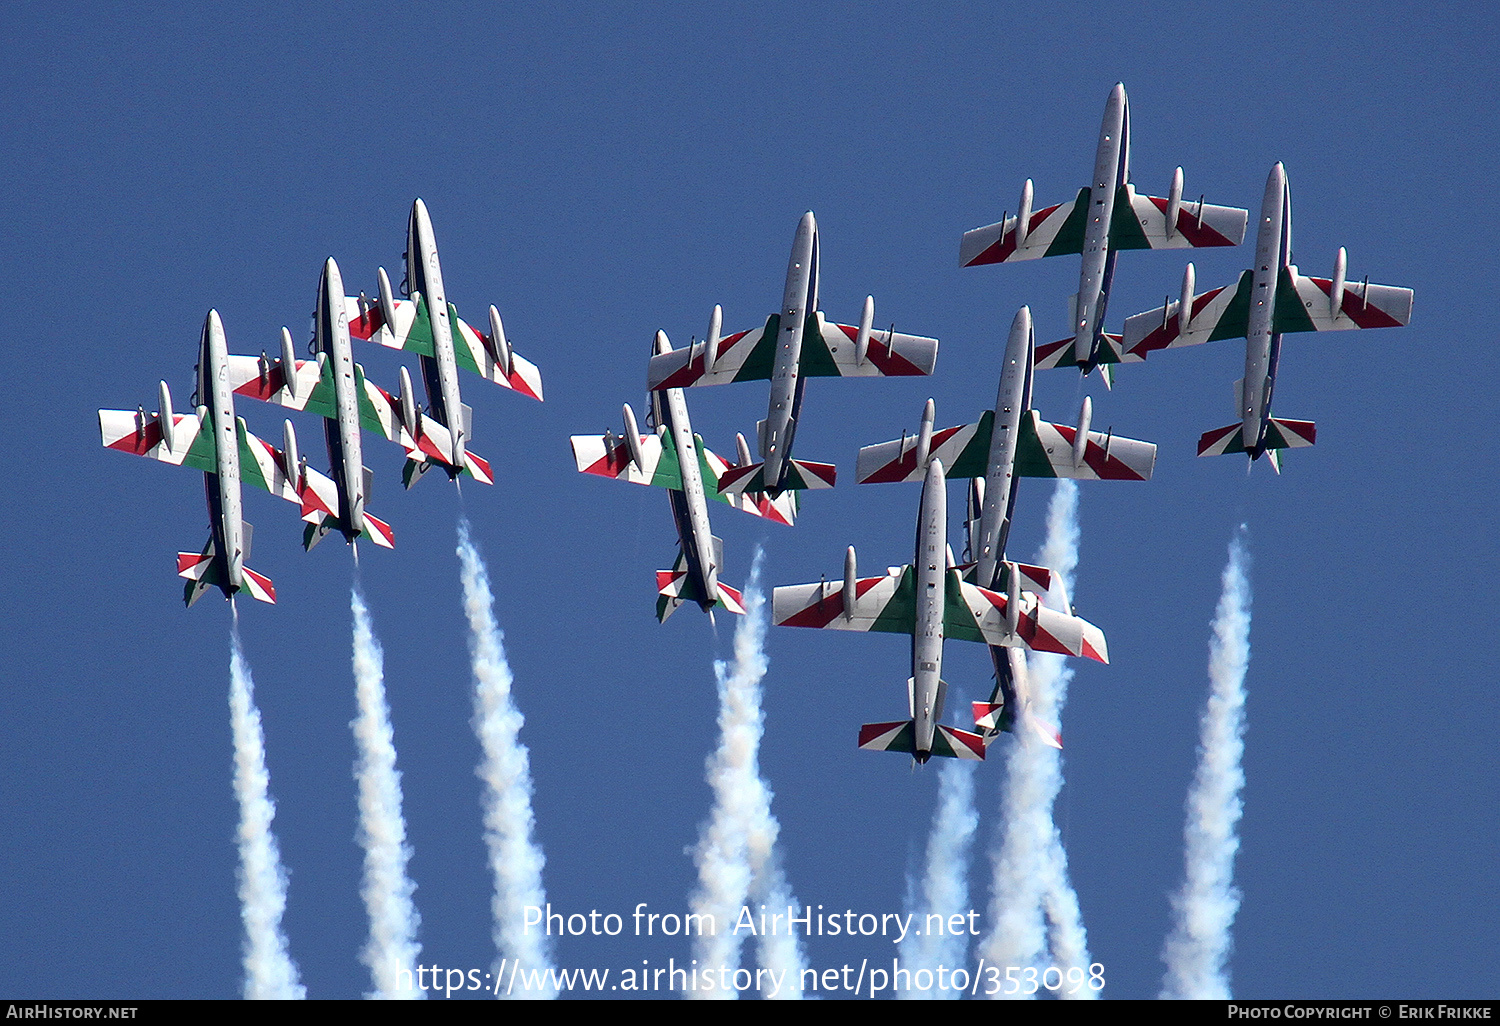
point(1220, 313)
point(1046, 450)
point(973, 613)
point(410, 330)
point(743, 356)
point(829, 352)
point(140, 434)
point(964, 450)
point(609, 456)
point(1042, 450)
point(473, 350)
point(1055, 231)
point(887, 604)
point(781, 510)
point(261, 378)
point(1140, 222)
point(1305, 303)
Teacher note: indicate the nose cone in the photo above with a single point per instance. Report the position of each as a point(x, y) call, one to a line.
point(808, 223)
point(332, 285)
point(1117, 94)
point(1020, 334)
point(1277, 178)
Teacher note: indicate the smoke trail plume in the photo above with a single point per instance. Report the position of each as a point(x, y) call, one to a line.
point(515, 857)
point(736, 854)
point(269, 970)
point(1030, 887)
point(945, 885)
point(1198, 948)
point(392, 950)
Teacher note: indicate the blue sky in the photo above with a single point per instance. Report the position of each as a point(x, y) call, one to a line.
point(605, 172)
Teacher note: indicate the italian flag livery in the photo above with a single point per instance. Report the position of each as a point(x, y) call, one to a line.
point(1137, 222)
point(410, 330)
point(1268, 301)
point(970, 613)
point(608, 455)
point(1043, 449)
point(828, 351)
point(310, 387)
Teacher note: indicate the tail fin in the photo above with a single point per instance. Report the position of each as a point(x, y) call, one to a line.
point(900, 736)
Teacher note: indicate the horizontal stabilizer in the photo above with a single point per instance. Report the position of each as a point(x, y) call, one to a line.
point(676, 586)
point(379, 532)
point(799, 474)
point(900, 736)
point(1280, 434)
point(204, 570)
point(1060, 353)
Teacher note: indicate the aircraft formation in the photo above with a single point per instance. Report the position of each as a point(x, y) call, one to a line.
point(212, 439)
point(1008, 606)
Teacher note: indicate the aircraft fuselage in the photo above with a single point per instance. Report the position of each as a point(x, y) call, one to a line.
point(1012, 401)
point(799, 300)
point(345, 457)
point(1273, 251)
point(931, 563)
point(226, 522)
point(439, 372)
point(690, 505)
point(1111, 170)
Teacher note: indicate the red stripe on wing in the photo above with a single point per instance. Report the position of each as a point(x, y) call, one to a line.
point(1187, 224)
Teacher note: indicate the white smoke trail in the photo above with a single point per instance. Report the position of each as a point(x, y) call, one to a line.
point(1198, 948)
point(945, 885)
point(392, 950)
point(515, 858)
point(736, 854)
point(1030, 884)
point(269, 970)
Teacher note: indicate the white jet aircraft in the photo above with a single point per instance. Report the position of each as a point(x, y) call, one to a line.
point(792, 346)
point(213, 440)
point(1104, 218)
point(1007, 442)
point(931, 601)
point(676, 459)
point(428, 325)
point(1267, 301)
point(334, 386)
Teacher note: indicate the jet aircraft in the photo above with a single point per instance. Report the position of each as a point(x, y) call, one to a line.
point(333, 386)
point(213, 440)
point(930, 601)
point(792, 346)
point(1266, 302)
point(676, 459)
point(428, 325)
point(1007, 442)
point(1104, 218)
